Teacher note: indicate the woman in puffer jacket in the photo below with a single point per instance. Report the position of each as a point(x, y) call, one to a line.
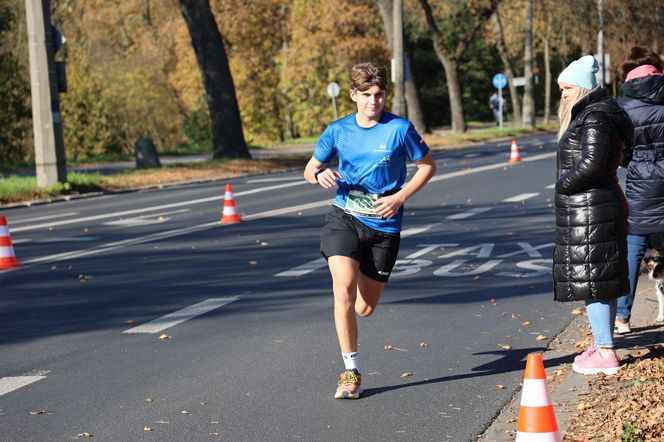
point(590, 254)
point(643, 101)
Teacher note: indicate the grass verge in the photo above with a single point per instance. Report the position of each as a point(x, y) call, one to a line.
point(15, 189)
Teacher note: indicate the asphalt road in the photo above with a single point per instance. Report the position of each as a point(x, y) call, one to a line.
point(251, 353)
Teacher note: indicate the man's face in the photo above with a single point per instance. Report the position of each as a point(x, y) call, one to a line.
point(370, 103)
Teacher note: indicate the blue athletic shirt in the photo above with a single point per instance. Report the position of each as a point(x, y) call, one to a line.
point(371, 160)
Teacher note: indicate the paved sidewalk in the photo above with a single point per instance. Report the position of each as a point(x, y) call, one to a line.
point(569, 388)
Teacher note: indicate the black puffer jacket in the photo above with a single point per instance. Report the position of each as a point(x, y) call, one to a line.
point(590, 254)
point(644, 102)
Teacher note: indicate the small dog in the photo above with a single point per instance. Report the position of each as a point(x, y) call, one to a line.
point(654, 265)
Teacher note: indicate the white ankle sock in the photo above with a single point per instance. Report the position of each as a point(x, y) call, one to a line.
point(350, 360)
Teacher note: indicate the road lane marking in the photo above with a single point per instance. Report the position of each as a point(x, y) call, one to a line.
point(305, 268)
point(274, 180)
point(551, 186)
point(178, 317)
point(319, 263)
point(11, 383)
point(42, 218)
point(153, 208)
point(160, 235)
point(59, 239)
point(520, 197)
point(469, 213)
point(472, 170)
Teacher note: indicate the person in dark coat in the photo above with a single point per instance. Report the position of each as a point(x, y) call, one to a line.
point(643, 100)
point(590, 253)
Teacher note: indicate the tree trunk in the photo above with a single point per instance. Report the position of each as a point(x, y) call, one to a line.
point(454, 90)
point(528, 93)
point(507, 64)
point(415, 114)
point(547, 81)
point(450, 60)
point(227, 135)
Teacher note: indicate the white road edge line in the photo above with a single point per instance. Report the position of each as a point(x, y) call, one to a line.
point(520, 197)
point(42, 218)
point(178, 317)
point(469, 213)
point(11, 383)
point(151, 209)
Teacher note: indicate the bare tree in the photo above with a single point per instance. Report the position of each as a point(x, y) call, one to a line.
point(450, 53)
point(227, 135)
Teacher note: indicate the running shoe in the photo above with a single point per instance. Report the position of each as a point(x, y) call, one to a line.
point(586, 353)
point(349, 385)
point(596, 363)
point(622, 327)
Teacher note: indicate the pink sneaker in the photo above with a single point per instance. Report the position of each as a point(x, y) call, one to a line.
point(586, 353)
point(596, 363)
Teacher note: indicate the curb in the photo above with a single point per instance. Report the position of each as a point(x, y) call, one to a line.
point(569, 389)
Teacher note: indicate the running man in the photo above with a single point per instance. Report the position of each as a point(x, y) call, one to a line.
point(361, 236)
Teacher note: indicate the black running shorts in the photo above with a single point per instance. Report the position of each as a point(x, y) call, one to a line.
point(344, 235)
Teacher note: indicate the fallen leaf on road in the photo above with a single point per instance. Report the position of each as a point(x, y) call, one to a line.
point(493, 301)
point(253, 263)
point(406, 374)
point(577, 311)
point(476, 278)
point(423, 345)
point(505, 346)
point(389, 347)
point(184, 412)
point(265, 243)
point(84, 434)
point(161, 219)
point(582, 406)
point(525, 323)
point(164, 336)
point(500, 386)
point(131, 321)
point(147, 428)
point(148, 399)
point(541, 337)
point(35, 413)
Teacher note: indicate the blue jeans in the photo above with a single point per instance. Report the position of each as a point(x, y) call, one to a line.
point(602, 315)
point(636, 248)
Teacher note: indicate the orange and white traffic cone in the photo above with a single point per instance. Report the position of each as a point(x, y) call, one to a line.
point(229, 215)
point(537, 421)
point(515, 156)
point(7, 256)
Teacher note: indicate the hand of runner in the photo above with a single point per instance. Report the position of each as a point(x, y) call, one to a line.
point(388, 206)
point(328, 178)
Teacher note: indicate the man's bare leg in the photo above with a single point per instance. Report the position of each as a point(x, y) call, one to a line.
point(369, 292)
point(345, 273)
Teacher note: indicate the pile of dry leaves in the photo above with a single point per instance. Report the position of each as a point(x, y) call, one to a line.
point(628, 407)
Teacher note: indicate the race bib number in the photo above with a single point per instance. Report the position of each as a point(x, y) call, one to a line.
point(361, 204)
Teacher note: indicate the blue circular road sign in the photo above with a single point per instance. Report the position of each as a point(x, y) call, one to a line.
point(499, 81)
